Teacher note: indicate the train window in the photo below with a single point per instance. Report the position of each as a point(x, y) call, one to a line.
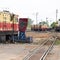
point(4, 18)
point(16, 19)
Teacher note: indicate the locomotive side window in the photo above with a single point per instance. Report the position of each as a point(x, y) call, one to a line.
point(16, 18)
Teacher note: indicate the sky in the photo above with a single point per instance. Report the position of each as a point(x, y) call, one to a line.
point(29, 8)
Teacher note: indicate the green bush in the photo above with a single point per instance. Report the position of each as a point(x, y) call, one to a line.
point(57, 42)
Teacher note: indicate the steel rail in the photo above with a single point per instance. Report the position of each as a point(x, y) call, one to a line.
point(47, 51)
point(34, 51)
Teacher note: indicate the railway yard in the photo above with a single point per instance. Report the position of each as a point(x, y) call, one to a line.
point(43, 47)
point(29, 34)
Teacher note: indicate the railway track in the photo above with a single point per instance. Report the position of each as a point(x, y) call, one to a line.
point(47, 51)
point(41, 52)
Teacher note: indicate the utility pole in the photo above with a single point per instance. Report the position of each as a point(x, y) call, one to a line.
point(36, 17)
point(48, 24)
point(46, 19)
point(56, 14)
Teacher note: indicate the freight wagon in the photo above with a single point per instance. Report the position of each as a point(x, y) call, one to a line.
point(40, 28)
point(57, 28)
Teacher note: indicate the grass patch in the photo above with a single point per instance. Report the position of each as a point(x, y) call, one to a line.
point(57, 42)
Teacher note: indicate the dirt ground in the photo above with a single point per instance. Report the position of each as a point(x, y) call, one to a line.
point(54, 54)
point(38, 34)
point(19, 51)
point(15, 51)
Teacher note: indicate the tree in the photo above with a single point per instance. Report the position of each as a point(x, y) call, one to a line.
point(53, 24)
point(29, 22)
point(43, 22)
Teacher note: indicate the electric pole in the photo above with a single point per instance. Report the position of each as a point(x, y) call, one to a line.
point(47, 20)
point(36, 17)
point(56, 14)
